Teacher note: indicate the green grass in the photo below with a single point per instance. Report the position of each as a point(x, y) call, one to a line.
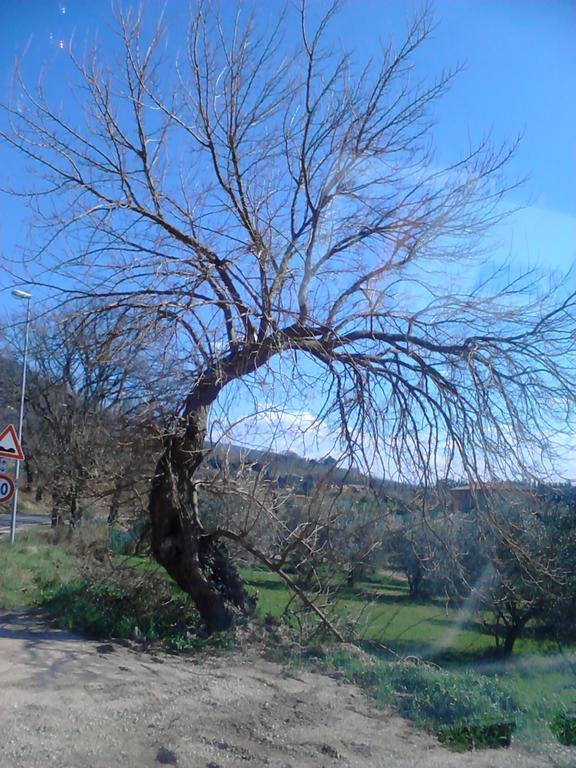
point(383, 612)
point(133, 606)
point(31, 567)
point(542, 681)
point(273, 596)
point(135, 600)
point(470, 708)
point(563, 726)
point(465, 710)
point(34, 567)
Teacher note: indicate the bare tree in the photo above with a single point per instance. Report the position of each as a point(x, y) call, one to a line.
point(91, 400)
point(279, 210)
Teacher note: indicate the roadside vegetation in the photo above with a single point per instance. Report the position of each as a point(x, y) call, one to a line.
point(431, 664)
point(100, 596)
point(466, 710)
point(32, 568)
point(467, 706)
point(439, 667)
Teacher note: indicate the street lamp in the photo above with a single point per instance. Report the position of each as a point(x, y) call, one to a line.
point(18, 294)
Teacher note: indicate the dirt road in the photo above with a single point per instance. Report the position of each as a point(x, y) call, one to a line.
point(71, 703)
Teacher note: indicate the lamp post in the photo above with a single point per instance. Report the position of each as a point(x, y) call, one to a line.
point(27, 296)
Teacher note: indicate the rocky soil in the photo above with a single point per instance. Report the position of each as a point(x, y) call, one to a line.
point(72, 703)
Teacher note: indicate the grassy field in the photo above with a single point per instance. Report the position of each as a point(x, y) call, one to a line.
point(382, 611)
point(31, 568)
point(541, 677)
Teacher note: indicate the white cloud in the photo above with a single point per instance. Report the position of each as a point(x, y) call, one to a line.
point(268, 427)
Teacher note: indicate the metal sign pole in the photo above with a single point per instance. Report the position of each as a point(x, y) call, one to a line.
point(22, 393)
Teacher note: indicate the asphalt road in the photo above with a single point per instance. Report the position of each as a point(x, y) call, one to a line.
point(22, 521)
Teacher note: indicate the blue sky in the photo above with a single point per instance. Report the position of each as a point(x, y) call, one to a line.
point(519, 74)
point(519, 71)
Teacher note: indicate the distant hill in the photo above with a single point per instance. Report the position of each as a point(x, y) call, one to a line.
point(289, 469)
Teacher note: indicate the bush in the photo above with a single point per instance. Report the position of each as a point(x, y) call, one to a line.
point(125, 603)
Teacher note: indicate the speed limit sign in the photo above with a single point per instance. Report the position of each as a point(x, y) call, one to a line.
point(6, 488)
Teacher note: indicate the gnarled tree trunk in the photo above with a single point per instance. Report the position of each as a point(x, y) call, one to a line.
point(196, 559)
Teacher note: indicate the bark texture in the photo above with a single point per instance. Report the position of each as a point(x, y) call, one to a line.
point(196, 560)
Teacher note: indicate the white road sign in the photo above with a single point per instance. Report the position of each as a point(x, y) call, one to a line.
point(6, 488)
point(9, 445)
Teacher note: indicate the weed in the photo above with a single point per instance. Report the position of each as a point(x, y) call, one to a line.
point(433, 697)
point(127, 604)
point(465, 737)
point(563, 726)
point(466, 710)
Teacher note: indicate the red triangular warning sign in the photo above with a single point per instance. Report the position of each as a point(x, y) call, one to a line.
point(9, 445)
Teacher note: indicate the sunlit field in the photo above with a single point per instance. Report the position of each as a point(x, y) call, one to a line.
point(542, 674)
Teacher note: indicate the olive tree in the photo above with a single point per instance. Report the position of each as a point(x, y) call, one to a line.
point(510, 560)
point(278, 209)
point(529, 566)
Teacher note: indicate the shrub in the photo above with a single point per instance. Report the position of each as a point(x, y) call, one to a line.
point(128, 604)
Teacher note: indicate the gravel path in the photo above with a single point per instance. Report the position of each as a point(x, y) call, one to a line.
point(72, 703)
